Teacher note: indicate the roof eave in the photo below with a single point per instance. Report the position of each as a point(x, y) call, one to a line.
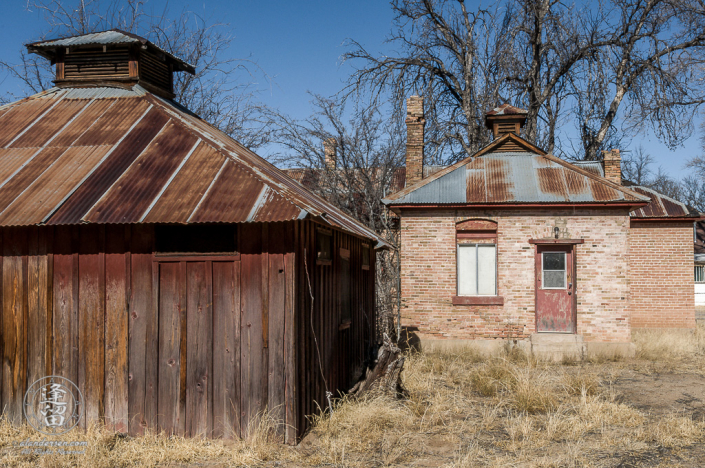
point(531, 204)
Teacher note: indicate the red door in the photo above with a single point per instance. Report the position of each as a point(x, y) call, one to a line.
point(555, 289)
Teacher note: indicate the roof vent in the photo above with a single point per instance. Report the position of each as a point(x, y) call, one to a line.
point(111, 58)
point(505, 119)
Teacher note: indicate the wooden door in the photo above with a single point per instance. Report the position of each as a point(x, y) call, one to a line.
point(199, 331)
point(555, 289)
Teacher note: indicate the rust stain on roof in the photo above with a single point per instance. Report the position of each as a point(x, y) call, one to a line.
point(82, 122)
point(112, 126)
point(11, 160)
point(234, 192)
point(105, 175)
point(602, 192)
point(551, 181)
point(39, 199)
point(660, 206)
point(18, 118)
point(188, 187)
point(133, 192)
point(476, 189)
point(28, 174)
point(576, 183)
point(499, 186)
point(47, 127)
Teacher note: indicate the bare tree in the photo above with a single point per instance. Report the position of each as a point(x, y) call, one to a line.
point(693, 192)
point(591, 63)
point(654, 55)
point(452, 56)
point(636, 167)
point(369, 153)
point(222, 91)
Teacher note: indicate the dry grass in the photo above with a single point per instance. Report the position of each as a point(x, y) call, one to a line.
point(465, 410)
point(670, 346)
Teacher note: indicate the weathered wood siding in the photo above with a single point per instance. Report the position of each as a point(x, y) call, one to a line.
point(331, 358)
point(189, 345)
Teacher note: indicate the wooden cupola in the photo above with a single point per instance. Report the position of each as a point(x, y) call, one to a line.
point(505, 119)
point(111, 58)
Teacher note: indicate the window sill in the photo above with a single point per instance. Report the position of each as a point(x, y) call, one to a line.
point(478, 300)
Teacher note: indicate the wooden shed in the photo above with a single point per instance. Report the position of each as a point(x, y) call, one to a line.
point(181, 281)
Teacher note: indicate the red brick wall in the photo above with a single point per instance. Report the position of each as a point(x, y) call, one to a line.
point(662, 283)
point(428, 253)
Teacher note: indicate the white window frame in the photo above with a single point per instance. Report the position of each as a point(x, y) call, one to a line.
point(700, 274)
point(477, 245)
point(565, 269)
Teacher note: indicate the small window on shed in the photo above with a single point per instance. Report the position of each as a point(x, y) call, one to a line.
point(365, 257)
point(323, 246)
point(196, 239)
point(700, 273)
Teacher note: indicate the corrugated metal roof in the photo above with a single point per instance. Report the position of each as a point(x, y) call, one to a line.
point(516, 177)
point(591, 166)
point(660, 206)
point(104, 37)
point(97, 155)
point(506, 109)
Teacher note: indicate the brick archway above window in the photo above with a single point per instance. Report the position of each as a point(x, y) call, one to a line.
point(476, 225)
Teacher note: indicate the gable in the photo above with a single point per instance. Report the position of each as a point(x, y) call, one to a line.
point(525, 174)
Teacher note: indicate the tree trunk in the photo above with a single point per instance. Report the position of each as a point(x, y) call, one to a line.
point(385, 377)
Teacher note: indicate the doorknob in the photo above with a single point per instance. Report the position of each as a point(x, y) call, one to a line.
point(570, 288)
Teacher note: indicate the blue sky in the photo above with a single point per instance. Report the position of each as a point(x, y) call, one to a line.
point(298, 44)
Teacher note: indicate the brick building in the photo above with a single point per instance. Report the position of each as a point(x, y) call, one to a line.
point(514, 243)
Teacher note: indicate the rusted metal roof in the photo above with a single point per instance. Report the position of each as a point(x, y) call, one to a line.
point(506, 109)
point(97, 155)
point(660, 206)
point(515, 177)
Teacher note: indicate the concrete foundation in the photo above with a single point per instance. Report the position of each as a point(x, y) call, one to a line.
point(547, 346)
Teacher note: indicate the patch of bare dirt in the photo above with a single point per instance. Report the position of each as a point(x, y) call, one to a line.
point(663, 394)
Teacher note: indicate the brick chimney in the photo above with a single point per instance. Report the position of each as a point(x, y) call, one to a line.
point(505, 119)
point(415, 123)
point(612, 164)
point(329, 147)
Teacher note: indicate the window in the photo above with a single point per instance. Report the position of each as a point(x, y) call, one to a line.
point(477, 263)
point(323, 247)
point(700, 273)
point(553, 270)
point(195, 239)
point(477, 270)
point(365, 257)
